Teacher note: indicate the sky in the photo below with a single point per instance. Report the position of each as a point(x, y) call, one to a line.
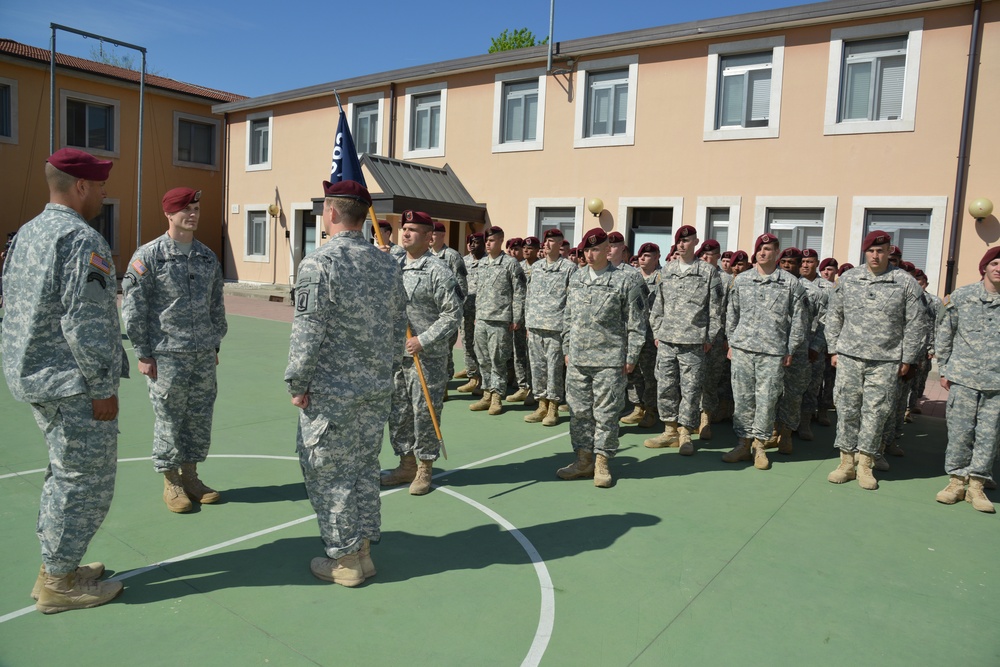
point(256, 47)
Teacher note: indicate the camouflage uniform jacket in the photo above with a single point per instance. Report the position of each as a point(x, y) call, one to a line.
point(932, 303)
point(472, 272)
point(604, 323)
point(501, 289)
point(173, 302)
point(818, 299)
point(767, 314)
point(454, 262)
point(687, 305)
point(61, 335)
point(967, 338)
point(350, 321)
point(433, 308)
point(877, 318)
point(546, 294)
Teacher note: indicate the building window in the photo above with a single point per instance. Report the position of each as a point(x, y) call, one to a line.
point(743, 99)
point(366, 128)
point(106, 223)
point(910, 230)
point(563, 219)
point(259, 138)
point(916, 224)
point(90, 122)
point(426, 113)
point(718, 217)
point(873, 77)
point(605, 113)
point(256, 236)
point(717, 225)
point(196, 141)
point(652, 225)
point(519, 111)
point(8, 111)
point(797, 227)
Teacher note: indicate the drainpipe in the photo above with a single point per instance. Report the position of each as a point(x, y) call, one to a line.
point(963, 149)
point(392, 120)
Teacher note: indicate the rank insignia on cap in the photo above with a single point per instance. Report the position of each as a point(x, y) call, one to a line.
point(99, 262)
point(139, 267)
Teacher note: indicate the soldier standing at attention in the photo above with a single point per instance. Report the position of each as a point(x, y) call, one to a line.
point(62, 353)
point(968, 352)
point(472, 263)
point(545, 304)
point(454, 262)
point(642, 381)
point(499, 309)
point(875, 329)
point(433, 311)
point(933, 304)
point(765, 324)
point(602, 335)
point(519, 363)
point(348, 333)
point(175, 318)
point(686, 318)
point(818, 292)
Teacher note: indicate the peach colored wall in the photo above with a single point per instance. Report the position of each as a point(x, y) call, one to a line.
point(670, 157)
point(23, 185)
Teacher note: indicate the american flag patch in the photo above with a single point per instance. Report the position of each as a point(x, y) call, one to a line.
point(139, 267)
point(99, 262)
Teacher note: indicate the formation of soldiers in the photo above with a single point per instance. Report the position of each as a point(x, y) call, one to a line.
point(709, 335)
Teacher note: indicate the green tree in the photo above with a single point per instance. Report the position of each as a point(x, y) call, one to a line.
point(517, 39)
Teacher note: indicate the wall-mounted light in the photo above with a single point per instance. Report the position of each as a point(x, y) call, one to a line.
point(274, 210)
point(595, 206)
point(981, 208)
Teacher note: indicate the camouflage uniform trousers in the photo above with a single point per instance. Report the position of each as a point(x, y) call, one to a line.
point(810, 399)
point(520, 358)
point(680, 371)
point(467, 328)
point(183, 397)
point(493, 350)
point(973, 419)
point(866, 396)
point(411, 430)
point(829, 382)
point(758, 380)
point(595, 396)
point(919, 383)
point(715, 367)
point(338, 443)
point(79, 481)
point(451, 358)
point(548, 366)
point(796, 382)
point(642, 381)
point(894, 422)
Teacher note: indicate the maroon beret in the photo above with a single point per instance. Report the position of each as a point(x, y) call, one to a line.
point(553, 233)
point(438, 226)
point(492, 231)
point(532, 242)
point(385, 224)
point(651, 248)
point(990, 255)
point(909, 267)
point(516, 242)
point(573, 252)
point(565, 242)
point(877, 237)
point(177, 199)
point(478, 235)
point(615, 237)
point(739, 256)
point(893, 250)
point(809, 252)
point(417, 218)
point(790, 253)
point(684, 232)
point(829, 261)
point(844, 268)
point(727, 255)
point(347, 190)
point(79, 164)
point(764, 238)
point(710, 245)
point(595, 237)
point(918, 274)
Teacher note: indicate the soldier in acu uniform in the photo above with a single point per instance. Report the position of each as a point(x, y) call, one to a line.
point(472, 261)
point(454, 262)
point(62, 353)
point(348, 333)
point(175, 317)
point(519, 362)
point(933, 304)
point(642, 381)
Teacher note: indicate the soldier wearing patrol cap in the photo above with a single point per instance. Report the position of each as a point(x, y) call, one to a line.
point(875, 329)
point(175, 318)
point(62, 353)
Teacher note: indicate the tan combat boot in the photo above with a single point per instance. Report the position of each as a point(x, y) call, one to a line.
point(845, 471)
point(669, 438)
point(634, 417)
point(649, 418)
point(483, 403)
point(741, 452)
point(461, 375)
point(403, 474)
point(88, 572)
point(705, 427)
point(539, 413)
point(345, 570)
point(952, 493)
point(684, 441)
point(469, 387)
point(194, 487)
point(602, 475)
point(785, 444)
point(519, 395)
point(760, 461)
point(68, 592)
point(772, 442)
point(564, 407)
point(866, 480)
point(805, 426)
point(977, 498)
point(422, 480)
point(173, 492)
point(579, 469)
point(496, 405)
point(552, 414)
point(365, 559)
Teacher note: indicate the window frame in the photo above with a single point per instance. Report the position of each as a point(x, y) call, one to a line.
point(115, 205)
point(828, 204)
point(581, 121)
point(361, 100)
point(251, 117)
point(624, 220)
point(578, 204)
point(499, 108)
point(215, 123)
point(701, 218)
point(264, 258)
point(65, 95)
point(836, 77)
point(12, 87)
point(411, 95)
point(716, 52)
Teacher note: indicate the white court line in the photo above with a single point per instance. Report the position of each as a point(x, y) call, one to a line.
point(546, 620)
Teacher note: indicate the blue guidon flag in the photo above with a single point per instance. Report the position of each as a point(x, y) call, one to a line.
point(346, 166)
